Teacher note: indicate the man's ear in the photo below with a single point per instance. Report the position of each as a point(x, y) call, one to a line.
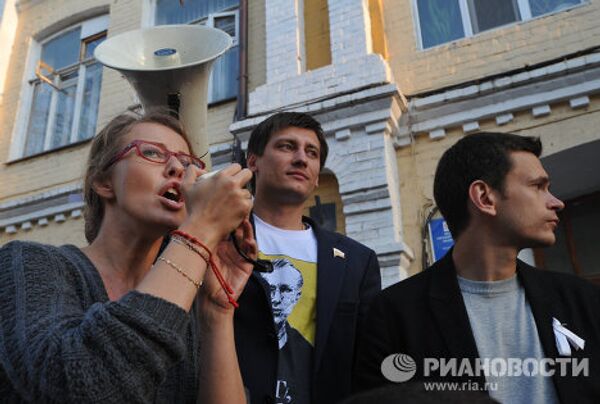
point(104, 189)
point(483, 197)
point(251, 162)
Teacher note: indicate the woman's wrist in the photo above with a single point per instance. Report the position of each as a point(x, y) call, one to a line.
point(205, 234)
point(213, 314)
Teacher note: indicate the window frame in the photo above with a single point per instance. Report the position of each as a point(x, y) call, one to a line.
point(524, 9)
point(98, 26)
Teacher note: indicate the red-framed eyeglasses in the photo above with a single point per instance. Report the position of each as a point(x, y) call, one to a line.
point(156, 153)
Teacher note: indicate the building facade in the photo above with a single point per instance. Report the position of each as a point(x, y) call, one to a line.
point(394, 83)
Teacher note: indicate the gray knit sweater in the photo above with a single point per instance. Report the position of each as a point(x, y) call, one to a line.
point(62, 340)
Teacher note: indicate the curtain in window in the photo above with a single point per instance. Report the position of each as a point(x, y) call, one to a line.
point(539, 7)
point(89, 104)
point(440, 21)
point(224, 83)
point(36, 130)
point(63, 117)
point(488, 14)
point(226, 68)
point(171, 12)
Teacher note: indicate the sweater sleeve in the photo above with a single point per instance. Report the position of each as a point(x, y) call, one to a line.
point(53, 348)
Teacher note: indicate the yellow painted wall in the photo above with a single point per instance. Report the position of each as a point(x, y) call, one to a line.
point(316, 34)
point(377, 28)
point(489, 53)
point(257, 48)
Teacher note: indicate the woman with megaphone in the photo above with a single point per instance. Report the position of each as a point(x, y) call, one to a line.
point(122, 319)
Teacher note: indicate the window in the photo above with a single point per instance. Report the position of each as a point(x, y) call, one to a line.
point(576, 248)
point(66, 88)
point(221, 14)
point(441, 21)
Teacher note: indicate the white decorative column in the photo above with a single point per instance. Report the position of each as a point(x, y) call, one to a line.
point(284, 39)
point(350, 28)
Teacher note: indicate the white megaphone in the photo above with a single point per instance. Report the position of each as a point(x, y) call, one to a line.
point(169, 66)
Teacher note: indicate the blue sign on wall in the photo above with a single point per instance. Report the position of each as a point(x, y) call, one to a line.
point(440, 237)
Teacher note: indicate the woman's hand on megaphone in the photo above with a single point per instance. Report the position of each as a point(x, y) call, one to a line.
point(216, 203)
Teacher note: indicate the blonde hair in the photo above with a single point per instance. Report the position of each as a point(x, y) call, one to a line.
point(105, 146)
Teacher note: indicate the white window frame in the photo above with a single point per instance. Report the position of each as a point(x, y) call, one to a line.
point(210, 22)
point(523, 6)
point(89, 28)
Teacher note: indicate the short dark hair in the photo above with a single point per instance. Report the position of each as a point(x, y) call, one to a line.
point(484, 156)
point(262, 133)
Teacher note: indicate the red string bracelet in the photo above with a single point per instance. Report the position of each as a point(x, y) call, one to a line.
point(199, 243)
point(212, 264)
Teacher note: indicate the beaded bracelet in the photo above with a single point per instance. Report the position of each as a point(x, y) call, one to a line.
point(181, 271)
point(226, 288)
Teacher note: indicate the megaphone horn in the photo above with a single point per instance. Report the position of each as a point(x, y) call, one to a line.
point(169, 66)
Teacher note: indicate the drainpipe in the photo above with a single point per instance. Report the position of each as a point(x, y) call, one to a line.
point(242, 100)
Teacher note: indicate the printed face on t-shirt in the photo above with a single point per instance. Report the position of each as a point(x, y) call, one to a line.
point(285, 287)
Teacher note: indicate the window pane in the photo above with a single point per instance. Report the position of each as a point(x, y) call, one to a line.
point(91, 97)
point(171, 12)
point(63, 118)
point(38, 119)
point(539, 7)
point(440, 21)
point(487, 14)
point(226, 23)
point(63, 50)
point(91, 45)
point(224, 79)
point(585, 219)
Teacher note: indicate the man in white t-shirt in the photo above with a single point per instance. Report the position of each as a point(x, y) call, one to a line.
point(296, 327)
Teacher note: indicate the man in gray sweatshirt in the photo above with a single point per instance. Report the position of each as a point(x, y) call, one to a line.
point(480, 319)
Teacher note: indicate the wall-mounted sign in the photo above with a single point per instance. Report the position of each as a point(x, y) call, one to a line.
point(440, 238)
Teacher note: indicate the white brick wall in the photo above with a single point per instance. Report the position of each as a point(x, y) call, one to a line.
point(353, 66)
point(368, 182)
point(283, 20)
point(327, 81)
point(350, 29)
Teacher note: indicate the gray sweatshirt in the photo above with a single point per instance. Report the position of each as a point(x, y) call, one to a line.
point(62, 340)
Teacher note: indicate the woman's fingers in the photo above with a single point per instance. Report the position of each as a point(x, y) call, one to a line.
point(218, 200)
